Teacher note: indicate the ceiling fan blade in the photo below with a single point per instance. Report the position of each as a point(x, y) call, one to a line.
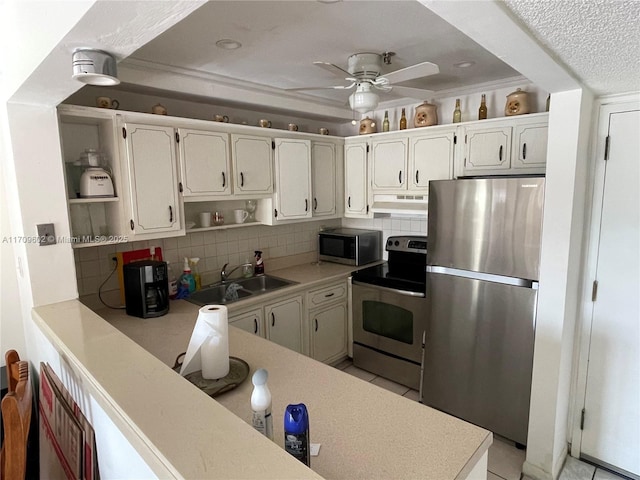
point(336, 70)
point(329, 87)
point(410, 92)
point(418, 70)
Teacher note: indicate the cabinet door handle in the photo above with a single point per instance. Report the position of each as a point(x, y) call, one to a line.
point(329, 294)
point(241, 179)
point(315, 204)
point(349, 202)
point(500, 153)
point(170, 213)
point(224, 180)
point(255, 325)
point(417, 175)
point(273, 320)
point(316, 324)
point(524, 151)
point(400, 176)
point(306, 205)
point(131, 224)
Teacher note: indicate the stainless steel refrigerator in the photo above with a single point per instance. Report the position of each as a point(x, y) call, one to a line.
point(483, 255)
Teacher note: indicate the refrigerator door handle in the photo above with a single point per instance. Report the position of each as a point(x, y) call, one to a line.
point(489, 277)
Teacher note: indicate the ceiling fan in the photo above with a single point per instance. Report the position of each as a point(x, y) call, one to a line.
point(364, 72)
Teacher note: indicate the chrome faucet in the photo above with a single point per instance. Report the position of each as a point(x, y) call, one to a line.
point(224, 275)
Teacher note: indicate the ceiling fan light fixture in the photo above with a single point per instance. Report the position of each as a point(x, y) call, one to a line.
point(363, 99)
point(94, 67)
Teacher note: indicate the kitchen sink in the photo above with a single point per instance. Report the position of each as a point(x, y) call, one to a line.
point(263, 283)
point(234, 290)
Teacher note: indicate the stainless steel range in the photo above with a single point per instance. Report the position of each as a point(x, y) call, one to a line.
point(389, 312)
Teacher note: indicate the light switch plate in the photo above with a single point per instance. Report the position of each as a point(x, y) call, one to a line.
point(46, 234)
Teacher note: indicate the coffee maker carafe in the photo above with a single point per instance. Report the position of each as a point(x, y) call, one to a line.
point(146, 288)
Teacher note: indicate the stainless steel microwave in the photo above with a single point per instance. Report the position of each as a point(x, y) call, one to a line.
point(350, 246)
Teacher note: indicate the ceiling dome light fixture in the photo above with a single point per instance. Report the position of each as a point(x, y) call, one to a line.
point(363, 100)
point(94, 67)
point(228, 44)
point(464, 64)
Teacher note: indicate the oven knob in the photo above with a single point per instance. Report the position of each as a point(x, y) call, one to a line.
point(397, 243)
point(389, 242)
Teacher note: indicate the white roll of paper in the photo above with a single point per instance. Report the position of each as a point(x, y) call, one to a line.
point(208, 348)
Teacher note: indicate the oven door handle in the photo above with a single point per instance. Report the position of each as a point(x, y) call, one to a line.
point(390, 290)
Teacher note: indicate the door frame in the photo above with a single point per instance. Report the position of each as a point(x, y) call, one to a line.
point(605, 107)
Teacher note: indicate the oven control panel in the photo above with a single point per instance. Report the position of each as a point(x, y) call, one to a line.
point(408, 243)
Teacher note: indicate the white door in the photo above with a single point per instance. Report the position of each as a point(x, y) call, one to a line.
point(611, 432)
point(293, 178)
point(253, 170)
point(323, 164)
point(154, 179)
point(430, 158)
point(389, 165)
point(284, 323)
point(329, 333)
point(204, 163)
point(355, 177)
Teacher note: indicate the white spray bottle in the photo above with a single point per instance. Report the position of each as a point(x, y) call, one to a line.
point(261, 404)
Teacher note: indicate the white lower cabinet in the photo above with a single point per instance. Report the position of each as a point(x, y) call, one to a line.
point(250, 321)
point(283, 323)
point(327, 317)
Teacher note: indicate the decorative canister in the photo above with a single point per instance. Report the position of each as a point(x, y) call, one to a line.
point(426, 115)
point(517, 103)
point(367, 126)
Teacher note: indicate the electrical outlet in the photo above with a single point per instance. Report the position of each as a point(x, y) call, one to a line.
point(46, 234)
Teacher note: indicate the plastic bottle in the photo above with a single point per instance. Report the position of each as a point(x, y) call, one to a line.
point(173, 282)
point(261, 404)
point(296, 432)
point(193, 263)
point(259, 269)
point(186, 280)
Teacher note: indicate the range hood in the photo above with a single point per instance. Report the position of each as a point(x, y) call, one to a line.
point(401, 204)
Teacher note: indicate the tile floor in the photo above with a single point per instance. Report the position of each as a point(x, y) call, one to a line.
point(505, 460)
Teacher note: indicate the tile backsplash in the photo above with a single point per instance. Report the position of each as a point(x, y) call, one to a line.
point(94, 265)
point(213, 247)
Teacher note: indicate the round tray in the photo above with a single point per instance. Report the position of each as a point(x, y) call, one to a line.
point(238, 373)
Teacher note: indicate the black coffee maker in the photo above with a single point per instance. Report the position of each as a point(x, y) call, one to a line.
point(146, 288)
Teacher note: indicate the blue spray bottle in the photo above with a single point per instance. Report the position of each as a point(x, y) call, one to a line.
point(296, 432)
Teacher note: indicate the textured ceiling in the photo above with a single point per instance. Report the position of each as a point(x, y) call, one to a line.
point(598, 40)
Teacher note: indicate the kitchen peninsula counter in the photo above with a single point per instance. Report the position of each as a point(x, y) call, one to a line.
point(364, 431)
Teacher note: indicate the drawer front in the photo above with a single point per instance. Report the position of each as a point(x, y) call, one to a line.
point(325, 295)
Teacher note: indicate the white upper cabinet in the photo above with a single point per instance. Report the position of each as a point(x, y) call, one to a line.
point(324, 174)
point(293, 179)
point(252, 165)
point(530, 146)
point(389, 165)
point(487, 148)
point(430, 158)
point(205, 164)
point(356, 195)
point(151, 174)
point(507, 146)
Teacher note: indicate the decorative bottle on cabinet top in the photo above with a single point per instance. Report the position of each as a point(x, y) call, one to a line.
point(457, 114)
point(482, 111)
point(385, 123)
point(403, 121)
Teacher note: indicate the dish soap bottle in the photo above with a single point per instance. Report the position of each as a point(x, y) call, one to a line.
point(173, 282)
point(259, 269)
point(457, 114)
point(193, 263)
point(261, 404)
point(385, 122)
point(296, 432)
point(403, 121)
point(187, 282)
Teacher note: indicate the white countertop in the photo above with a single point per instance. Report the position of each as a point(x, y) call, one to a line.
point(365, 431)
